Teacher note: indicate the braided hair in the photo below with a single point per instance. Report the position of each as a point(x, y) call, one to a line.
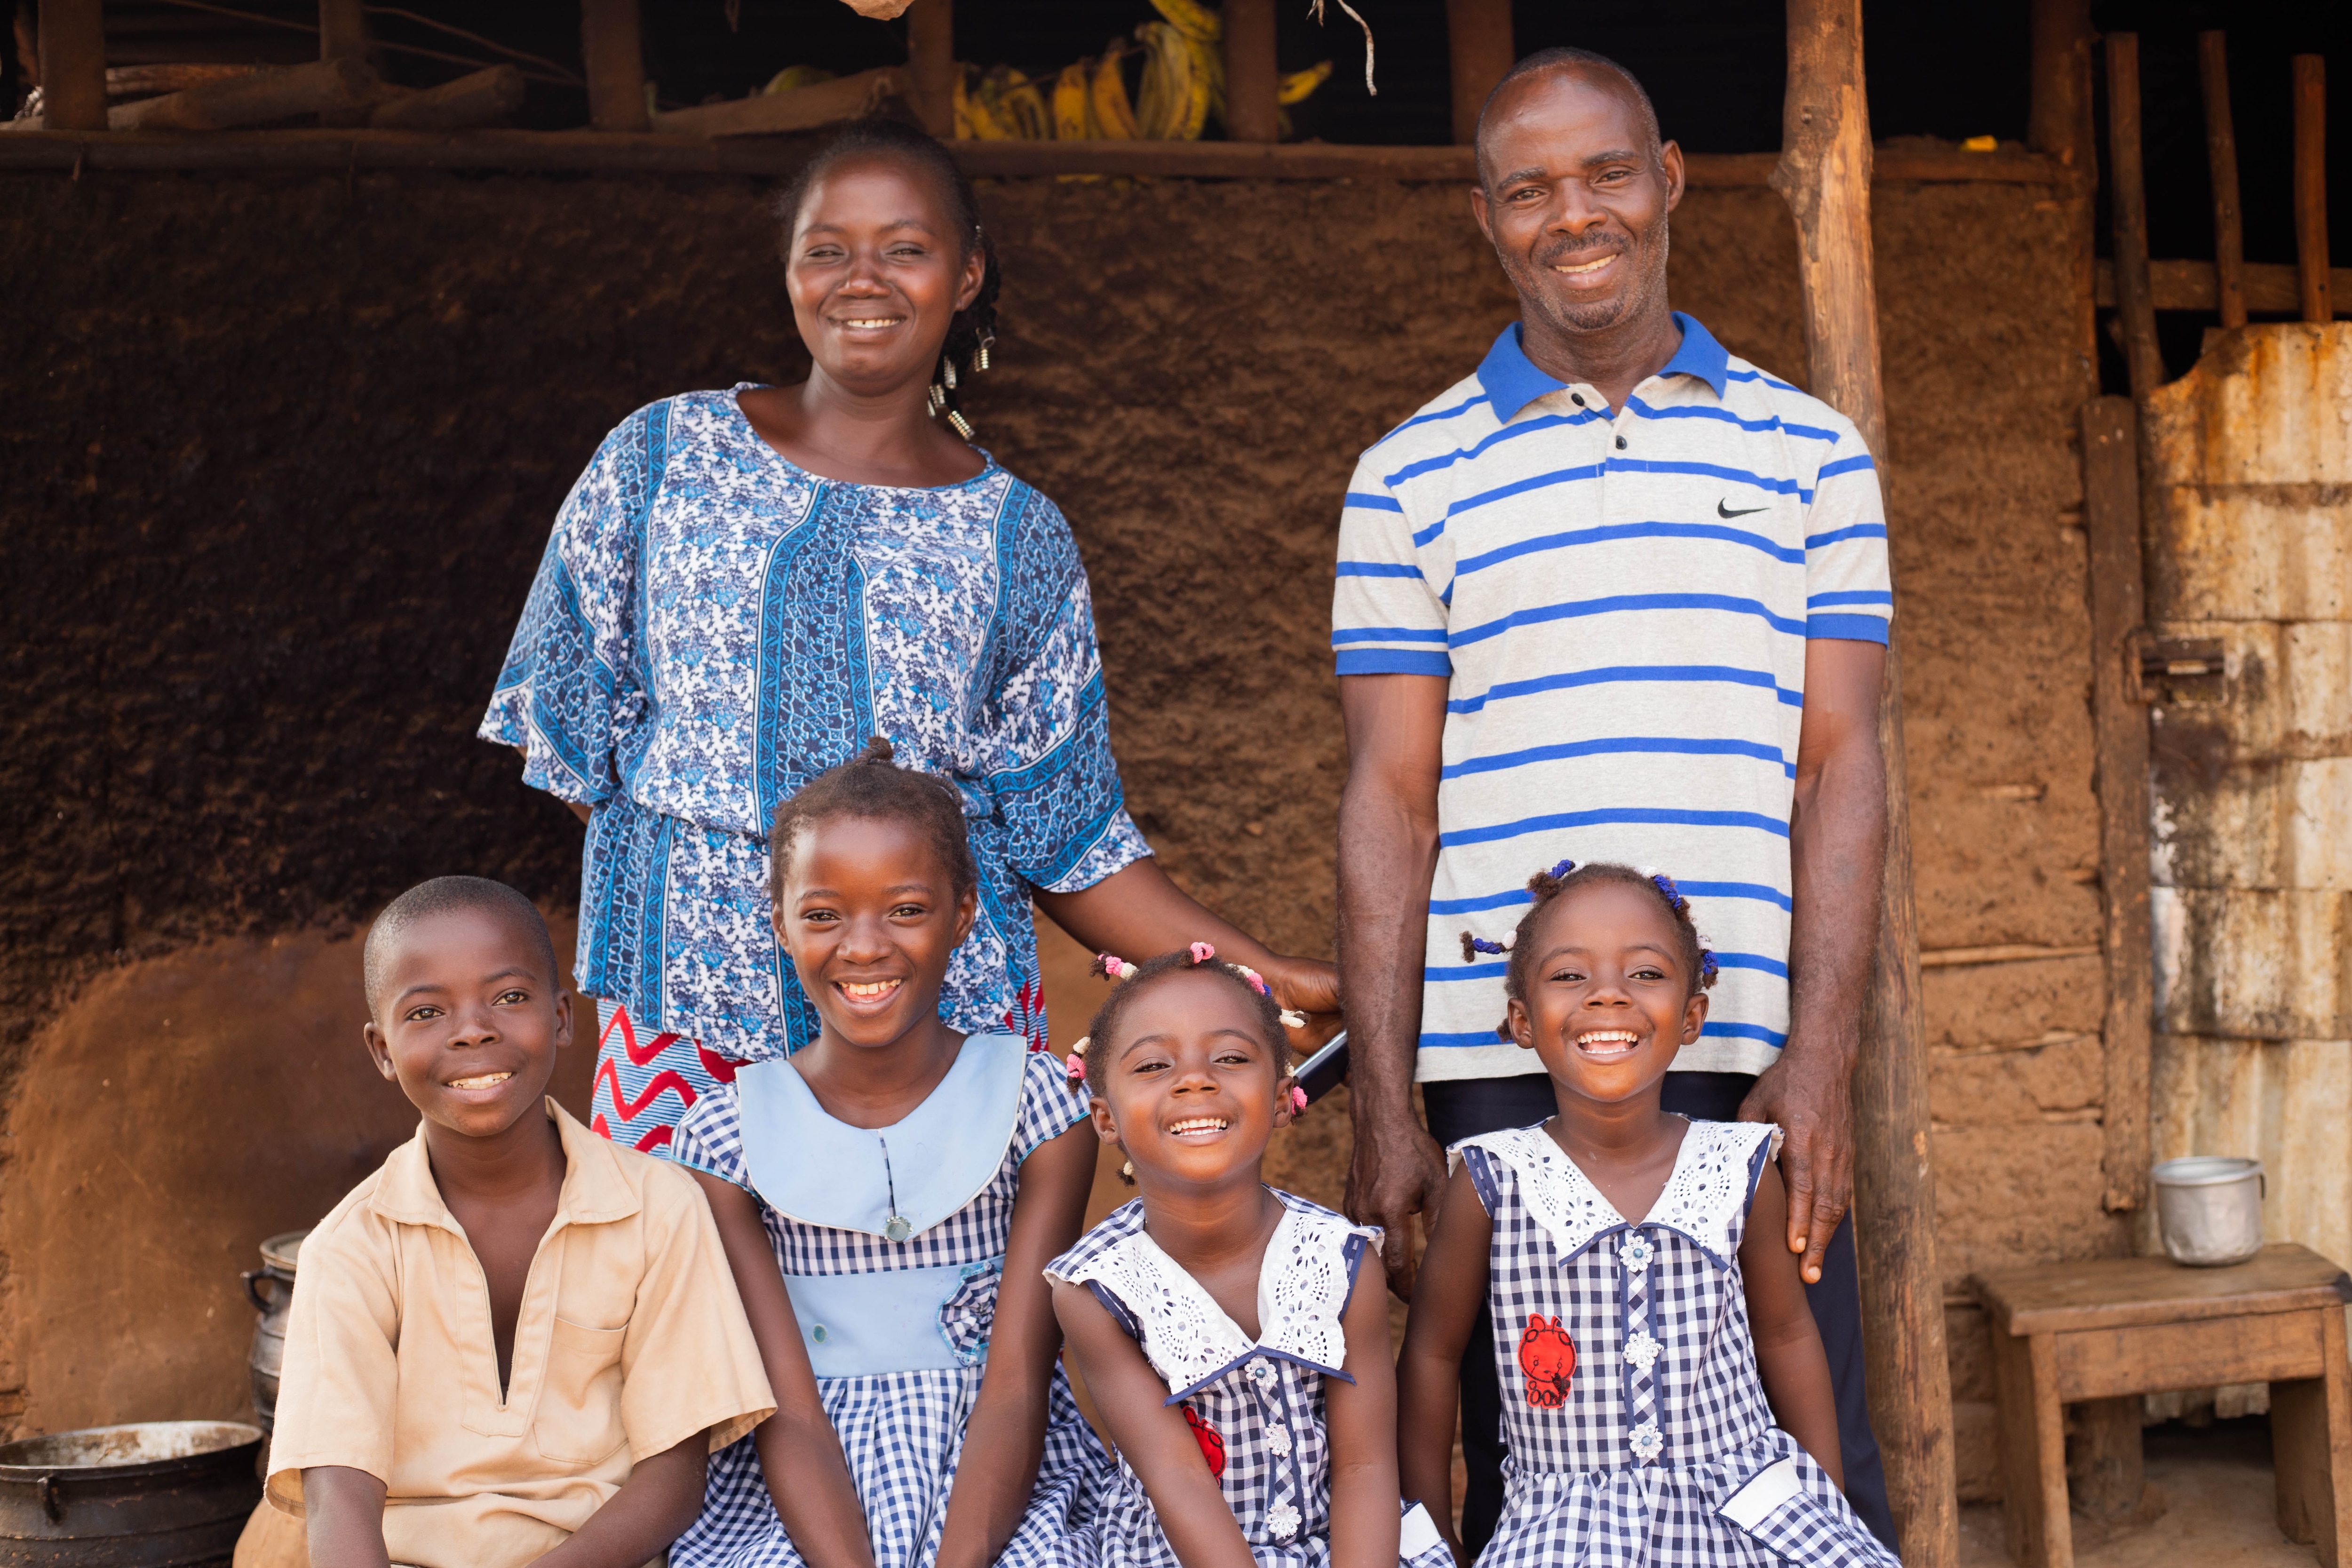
point(1136, 978)
point(872, 786)
point(1545, 886)
point(972, 334)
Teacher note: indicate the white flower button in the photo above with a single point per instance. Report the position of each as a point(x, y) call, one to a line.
point(1261, 1372)
point(1641, 1350)
point(1277, 1439)
point(1281, 1522)
point(1637, 1254)
point(1646, 1441)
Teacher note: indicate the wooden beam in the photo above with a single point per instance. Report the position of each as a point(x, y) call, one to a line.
point(343, 35)
point(319, 87)
point(930, 61)
point(1253, 112)
point(481, 98)
point(2127, 205)
point(525, 151)
point(2267, 286)
point(613, 53)
point(2222, 156)
point(801, 108)
point(1479, 46)
point(2311, 187)
point(2059, 125)
point(1824, 174)
point(73, 65)
point(2111, 520)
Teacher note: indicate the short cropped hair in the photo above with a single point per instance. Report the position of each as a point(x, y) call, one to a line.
point(442, 895)
point(1578, 60)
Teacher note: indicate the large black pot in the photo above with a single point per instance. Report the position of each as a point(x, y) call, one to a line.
point(158, 1494)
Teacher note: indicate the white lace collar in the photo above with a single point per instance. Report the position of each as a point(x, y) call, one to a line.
point(1705, 1196)
point(1302, 1285)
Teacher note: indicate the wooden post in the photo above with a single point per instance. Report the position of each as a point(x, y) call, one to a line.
point(1824, 176)
point(2221, 153)
point(1251, 82)
point(614, 57)
point(2127, 200)
point(73, 65)
point(930, 61)
point(1478, 42)
point(2059, 123)
point(342, 36)
point(2111, 520)
point(2310, 187)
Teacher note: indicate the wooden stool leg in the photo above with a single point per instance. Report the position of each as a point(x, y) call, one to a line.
point(2311, 1444)
point(2109, 1469)
point(2032, 1452)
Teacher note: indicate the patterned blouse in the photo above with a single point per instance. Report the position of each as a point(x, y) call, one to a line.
point(712, 625)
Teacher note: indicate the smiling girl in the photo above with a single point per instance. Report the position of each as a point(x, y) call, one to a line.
point(1665, 1396)
point(1243, 1377)
point(888, 1197)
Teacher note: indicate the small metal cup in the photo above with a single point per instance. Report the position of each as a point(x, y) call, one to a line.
point(2208, 1209)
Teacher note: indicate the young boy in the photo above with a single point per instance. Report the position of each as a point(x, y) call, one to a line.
point(515, 1343)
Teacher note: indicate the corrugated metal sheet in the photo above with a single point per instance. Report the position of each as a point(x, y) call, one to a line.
point(2250, 465)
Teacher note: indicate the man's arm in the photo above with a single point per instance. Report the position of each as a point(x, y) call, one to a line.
point(1837, 848)
point(1388, 851)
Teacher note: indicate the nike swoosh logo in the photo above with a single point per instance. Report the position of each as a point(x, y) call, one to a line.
point(1724, 511)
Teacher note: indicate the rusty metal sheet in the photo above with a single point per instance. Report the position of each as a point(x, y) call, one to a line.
point(2249, 553)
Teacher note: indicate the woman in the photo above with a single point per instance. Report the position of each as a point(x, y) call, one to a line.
point(745, 585)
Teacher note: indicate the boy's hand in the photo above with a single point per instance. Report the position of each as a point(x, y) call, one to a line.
point(343, 1509)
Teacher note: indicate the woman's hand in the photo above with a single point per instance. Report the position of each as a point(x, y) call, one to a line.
point(1137, 912)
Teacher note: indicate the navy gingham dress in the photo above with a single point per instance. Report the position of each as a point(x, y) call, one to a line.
point(1256, 1407)
point(1655, 1447)
point(902, 1432)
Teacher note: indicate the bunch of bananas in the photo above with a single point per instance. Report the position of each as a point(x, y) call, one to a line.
point(1182, 84)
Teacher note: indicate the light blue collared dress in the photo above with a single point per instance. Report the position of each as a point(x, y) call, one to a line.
point(711, 628)
point(892, 1245)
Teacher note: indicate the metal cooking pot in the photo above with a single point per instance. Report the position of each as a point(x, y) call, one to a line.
point(271, 1288)
point(158, 1494)
point(2208, 1209)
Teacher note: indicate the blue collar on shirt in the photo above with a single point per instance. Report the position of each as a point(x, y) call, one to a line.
point(1512, 381)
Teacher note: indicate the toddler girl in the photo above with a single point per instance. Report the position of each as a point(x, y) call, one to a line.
point(1665, 1396)
point(889, 1197)
point(1243, 1377)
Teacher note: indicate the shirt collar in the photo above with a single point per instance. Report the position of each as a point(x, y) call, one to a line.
point(594, 1191)
point(1512, 381)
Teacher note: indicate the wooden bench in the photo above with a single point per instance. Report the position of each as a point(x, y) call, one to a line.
point(2101, 1334)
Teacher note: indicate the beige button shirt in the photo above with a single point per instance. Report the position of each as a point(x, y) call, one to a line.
point(631, 1339)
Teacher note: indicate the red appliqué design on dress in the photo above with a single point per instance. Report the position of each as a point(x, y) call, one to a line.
point(1548, 1357)
point(1213, 1448)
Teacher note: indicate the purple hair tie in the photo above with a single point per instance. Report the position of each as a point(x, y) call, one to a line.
point(1707, 967)
point(1563, 868)
point(1665, 885)
point(1474, 945)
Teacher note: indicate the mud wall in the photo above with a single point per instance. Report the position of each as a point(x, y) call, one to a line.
point(283, 451)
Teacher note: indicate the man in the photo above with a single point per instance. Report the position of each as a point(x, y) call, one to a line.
point(1617, 596)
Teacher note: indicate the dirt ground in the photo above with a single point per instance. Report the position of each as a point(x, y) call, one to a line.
point(283, 451)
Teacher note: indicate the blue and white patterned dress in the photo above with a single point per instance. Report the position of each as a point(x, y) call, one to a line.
point(832, 1196)
point(1258, 1407)
point(1638, 1430)
point(711, 626)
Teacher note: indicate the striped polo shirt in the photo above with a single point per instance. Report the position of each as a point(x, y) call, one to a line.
point(1618, 601)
